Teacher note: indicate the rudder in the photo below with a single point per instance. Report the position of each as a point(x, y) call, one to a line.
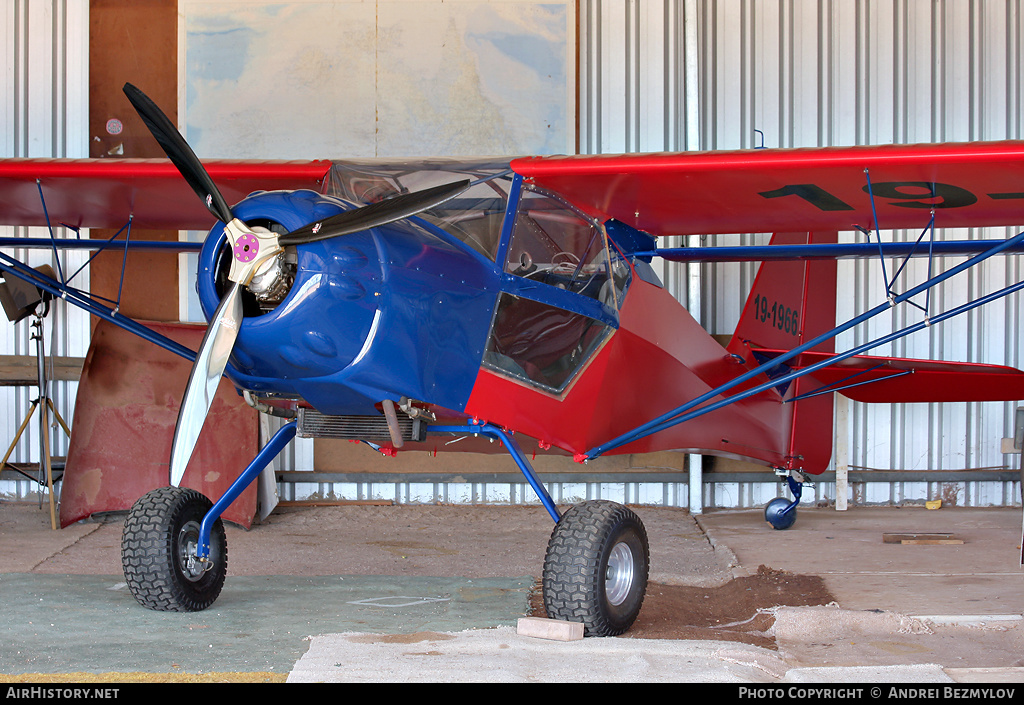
point(791, 303)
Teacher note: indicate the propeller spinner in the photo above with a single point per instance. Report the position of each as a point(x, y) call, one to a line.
point(254, 251)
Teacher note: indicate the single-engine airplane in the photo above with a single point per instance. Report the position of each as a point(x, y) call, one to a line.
point(514, 299)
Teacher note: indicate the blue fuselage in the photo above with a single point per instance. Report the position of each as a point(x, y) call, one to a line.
point(400, 310)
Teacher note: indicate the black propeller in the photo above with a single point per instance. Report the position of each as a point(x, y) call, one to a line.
point(260, 247)
point(370, 216)
point(178, 151)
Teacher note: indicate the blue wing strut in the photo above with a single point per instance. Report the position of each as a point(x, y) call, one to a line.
point(700, 405)
point(12, 267)
point(853, 250)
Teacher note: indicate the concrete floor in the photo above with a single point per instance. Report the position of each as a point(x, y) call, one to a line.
point(905, 613)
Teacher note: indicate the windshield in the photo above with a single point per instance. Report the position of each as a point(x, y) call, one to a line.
point(474, 216)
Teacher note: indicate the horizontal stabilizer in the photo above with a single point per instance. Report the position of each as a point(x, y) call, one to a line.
point(897, 380)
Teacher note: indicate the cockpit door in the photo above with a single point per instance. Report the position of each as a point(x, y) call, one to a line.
point(561, 291)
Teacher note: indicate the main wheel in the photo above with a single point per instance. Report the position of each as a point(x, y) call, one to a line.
point(158, 552)
point(596, 567)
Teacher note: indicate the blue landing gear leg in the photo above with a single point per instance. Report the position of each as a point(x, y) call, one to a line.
point(780, 512)
point(597, 561)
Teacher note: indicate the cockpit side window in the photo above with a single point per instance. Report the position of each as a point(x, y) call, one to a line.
point(555, 245)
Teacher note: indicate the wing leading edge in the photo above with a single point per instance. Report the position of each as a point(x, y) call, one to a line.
point(770, 190)
point(760, 190)
point(104, 193)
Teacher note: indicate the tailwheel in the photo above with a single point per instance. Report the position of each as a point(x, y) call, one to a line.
point(596, 567)
point(158, 552)
point(780, 513)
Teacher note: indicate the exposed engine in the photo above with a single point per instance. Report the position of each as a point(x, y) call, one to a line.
point(272, 281)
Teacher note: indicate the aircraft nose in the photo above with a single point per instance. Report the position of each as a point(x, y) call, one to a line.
point(321, 326)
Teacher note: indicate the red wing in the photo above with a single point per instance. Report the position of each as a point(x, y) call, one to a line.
point(103, 193)
point(902, 380)
point(772, 190)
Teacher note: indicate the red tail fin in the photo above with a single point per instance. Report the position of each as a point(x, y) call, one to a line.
point(791, 303)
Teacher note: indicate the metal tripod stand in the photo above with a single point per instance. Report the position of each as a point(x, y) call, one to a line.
point(45, 405)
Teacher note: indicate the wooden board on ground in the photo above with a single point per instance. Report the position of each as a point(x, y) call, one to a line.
point(922, 539)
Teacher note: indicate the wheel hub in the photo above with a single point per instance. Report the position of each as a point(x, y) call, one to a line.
point(188, 549)
point(620, 573)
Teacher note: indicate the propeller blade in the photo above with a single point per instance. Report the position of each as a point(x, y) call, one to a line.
point(375, 214)
point(178, 151)
point(210, 363)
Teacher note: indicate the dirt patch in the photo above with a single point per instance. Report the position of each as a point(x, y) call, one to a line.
point(737, 611)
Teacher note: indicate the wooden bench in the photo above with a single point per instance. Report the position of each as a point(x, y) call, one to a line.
point(21, 370)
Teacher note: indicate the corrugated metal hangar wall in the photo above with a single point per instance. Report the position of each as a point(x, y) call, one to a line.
point(707, 74)
point(44, 113)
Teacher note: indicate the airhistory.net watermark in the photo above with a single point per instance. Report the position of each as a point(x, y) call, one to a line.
point(38, 692)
